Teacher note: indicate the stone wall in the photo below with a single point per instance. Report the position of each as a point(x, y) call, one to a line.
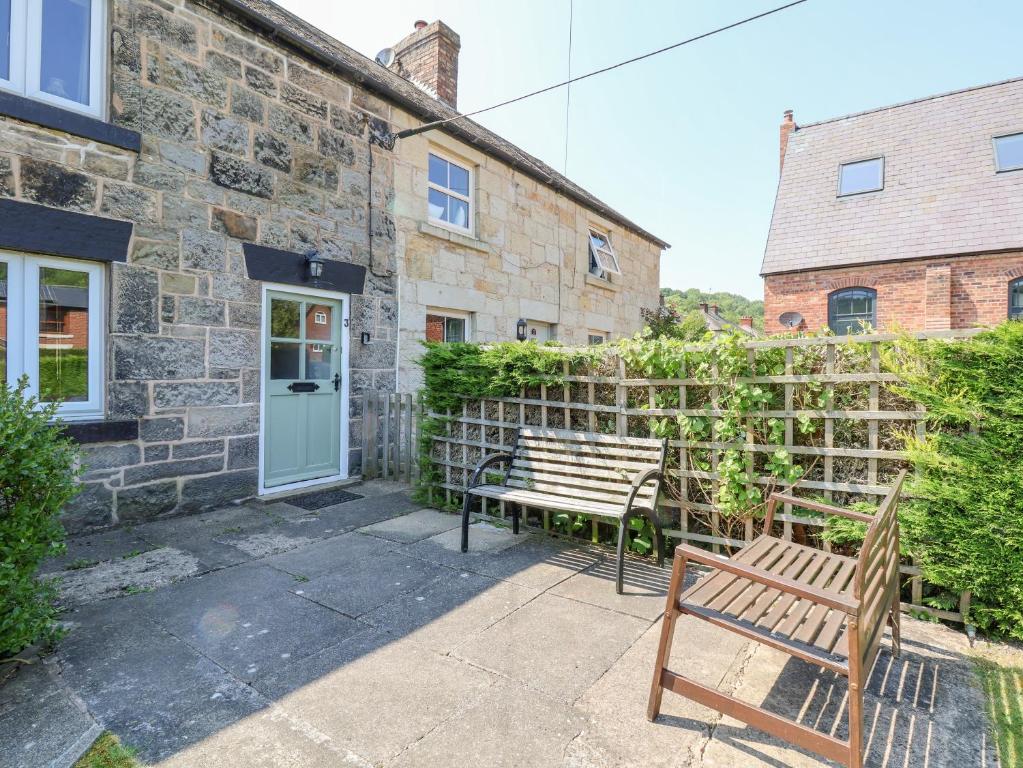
point(241, 142)
point(528, 258)
point(928, 294)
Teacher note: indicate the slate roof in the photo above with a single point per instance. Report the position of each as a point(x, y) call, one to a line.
point(941, 193)
point(288, 29)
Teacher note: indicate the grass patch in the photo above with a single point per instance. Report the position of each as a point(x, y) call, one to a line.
point(1003, 690)
point(108, 752)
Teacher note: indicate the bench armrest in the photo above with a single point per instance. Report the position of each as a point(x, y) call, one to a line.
point(777, 581)
point(494, 458)
point(814, 506)
point(638, 482)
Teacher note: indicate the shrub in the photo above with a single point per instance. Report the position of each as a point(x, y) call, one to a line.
point(965, 517)
point(38, 472)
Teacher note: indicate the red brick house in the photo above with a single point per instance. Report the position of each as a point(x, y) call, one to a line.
point(908, 216)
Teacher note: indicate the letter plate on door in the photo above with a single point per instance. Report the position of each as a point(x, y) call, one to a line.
point(303, 386)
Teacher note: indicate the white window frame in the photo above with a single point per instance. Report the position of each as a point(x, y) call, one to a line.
point(994, 148)
point(843, 166)
point(451, 314)
point(467, 167)
point(611, 266)
point(26, 50)
point(320, 318)
point(23, 327)
point(602, 335)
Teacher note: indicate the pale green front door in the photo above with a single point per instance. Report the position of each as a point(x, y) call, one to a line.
point(302, 380)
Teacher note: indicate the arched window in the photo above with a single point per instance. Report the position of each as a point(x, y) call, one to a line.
point(850, 308)
point(1016, 299)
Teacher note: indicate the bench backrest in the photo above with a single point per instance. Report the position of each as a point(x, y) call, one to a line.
point(584, 465)
point(877, 574)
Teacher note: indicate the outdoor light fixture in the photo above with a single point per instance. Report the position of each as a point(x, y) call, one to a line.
point(520, 330)
point(364, 337)
point(314, 266)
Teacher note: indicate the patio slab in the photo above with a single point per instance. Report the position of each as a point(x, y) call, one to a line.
point(418, 525)
point(323, 558)
point(643, 589)
point(96, 548)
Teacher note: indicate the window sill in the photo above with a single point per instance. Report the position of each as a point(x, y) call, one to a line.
point(453, 237)
point(101, 431)
point(607, 285)
point(58, 119)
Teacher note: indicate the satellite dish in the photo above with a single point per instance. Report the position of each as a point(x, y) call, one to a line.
point(791, 319)
point(386, 57)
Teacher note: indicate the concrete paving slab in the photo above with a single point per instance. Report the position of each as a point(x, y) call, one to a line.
point(383, 694)
point(83, 551)
point(559, 646)
point(148, 687)
point(115, 578)
point(266, 738)
point(328, 556)
point(452, 610)
point(40, 721)
point(357, 513)
point(644, 587)
point(485, 540)
point(246, 619)
point(198, 534)
point(415, 526)
point(361, 585)
point(508, 727)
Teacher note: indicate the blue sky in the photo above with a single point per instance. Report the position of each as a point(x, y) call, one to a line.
point(686, 143)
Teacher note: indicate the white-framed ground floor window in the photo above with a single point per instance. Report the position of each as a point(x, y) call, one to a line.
point(51, 330)
point(447, 325)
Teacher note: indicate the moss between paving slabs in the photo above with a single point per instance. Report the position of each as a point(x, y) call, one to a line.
point(108, 752)
point(1003, 689)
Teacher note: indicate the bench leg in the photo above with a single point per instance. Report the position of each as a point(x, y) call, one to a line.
point(678, 576)
point(623, 536)
point(465, 522)
point(515, 518)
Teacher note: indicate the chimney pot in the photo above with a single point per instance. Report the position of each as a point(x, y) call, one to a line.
point(788, 125)
point(703, 306)
point(714, 308)
point(746, 321)
point(420, 24)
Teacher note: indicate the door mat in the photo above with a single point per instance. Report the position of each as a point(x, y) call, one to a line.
point(320, 499)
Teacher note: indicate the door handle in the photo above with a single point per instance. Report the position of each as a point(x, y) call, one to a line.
point(337, 382)
point(303, 386)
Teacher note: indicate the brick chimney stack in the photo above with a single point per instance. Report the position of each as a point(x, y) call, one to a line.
point(429, 57)
point(788, 125)
point(746, 322)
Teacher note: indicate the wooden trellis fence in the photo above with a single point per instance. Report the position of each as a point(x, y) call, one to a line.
point(390, 449)
point(856, 451)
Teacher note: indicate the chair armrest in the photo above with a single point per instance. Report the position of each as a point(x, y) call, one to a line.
point(818, 507)
point(494, 458)
point(638, 482)
point(781, 583)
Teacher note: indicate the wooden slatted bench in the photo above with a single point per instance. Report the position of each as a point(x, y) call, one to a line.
point(578, 472)
point(822, 607)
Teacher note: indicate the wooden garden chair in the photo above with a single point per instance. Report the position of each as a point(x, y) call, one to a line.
point(824, 608)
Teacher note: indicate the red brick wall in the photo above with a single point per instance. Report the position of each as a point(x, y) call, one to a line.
point(76, 325)
point(931, 294)
point(434, 328)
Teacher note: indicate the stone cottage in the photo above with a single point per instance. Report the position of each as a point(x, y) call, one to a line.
point(210, 189)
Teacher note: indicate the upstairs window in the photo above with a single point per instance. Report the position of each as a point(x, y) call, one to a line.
point(1016, 299)
point(863, 176)
point(602, 256)
point(850, 309)
point(51, 330)
point(53, 51)
point(449, 198)
point(1009, 152)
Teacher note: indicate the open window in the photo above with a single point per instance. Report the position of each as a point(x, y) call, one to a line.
point(603, 260)
point(54, 51)
point(850, 310)
point(51, 330)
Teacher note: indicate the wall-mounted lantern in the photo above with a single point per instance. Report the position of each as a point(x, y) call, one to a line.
point(314, 266)
point(520, 330)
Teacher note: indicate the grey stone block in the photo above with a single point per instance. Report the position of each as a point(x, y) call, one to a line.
point(376, 354)
point(162, 429)
point(195, 310)
point(243, 49)
point(206, 85)
point(156, 453)
point(244, 316)
point(56, 185)
point(183, 157)
point(271, 151)
point(260, 81)
point(243, 452)
point(247, 104)
point(147, 473)
point(234, 348)
point(167, 115)
point(239, 175)
point(146, 253)
point(215, 490)
point(290, 125)
point(314, 106)
point(146, 357)
point(202, 249)
point(317, 171)
point(187, 394)
point(336, 145)
point(224, 421)
point(127, 399)
point(237, 225)
point(182, 213)
point(123, 201)
point(89, 509)
point(135, 300)
point(110, 456)
point(191, 450)
point(146, 501)
point(223, 65)
point(235, 288)
point(345, 120)
point(223, 132)
point(157, 176)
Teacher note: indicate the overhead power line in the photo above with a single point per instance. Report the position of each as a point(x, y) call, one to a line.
point(437, 123)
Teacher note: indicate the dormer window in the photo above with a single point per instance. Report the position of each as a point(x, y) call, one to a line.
point(53, 51)
point(862, 176)
point(1009, 152)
